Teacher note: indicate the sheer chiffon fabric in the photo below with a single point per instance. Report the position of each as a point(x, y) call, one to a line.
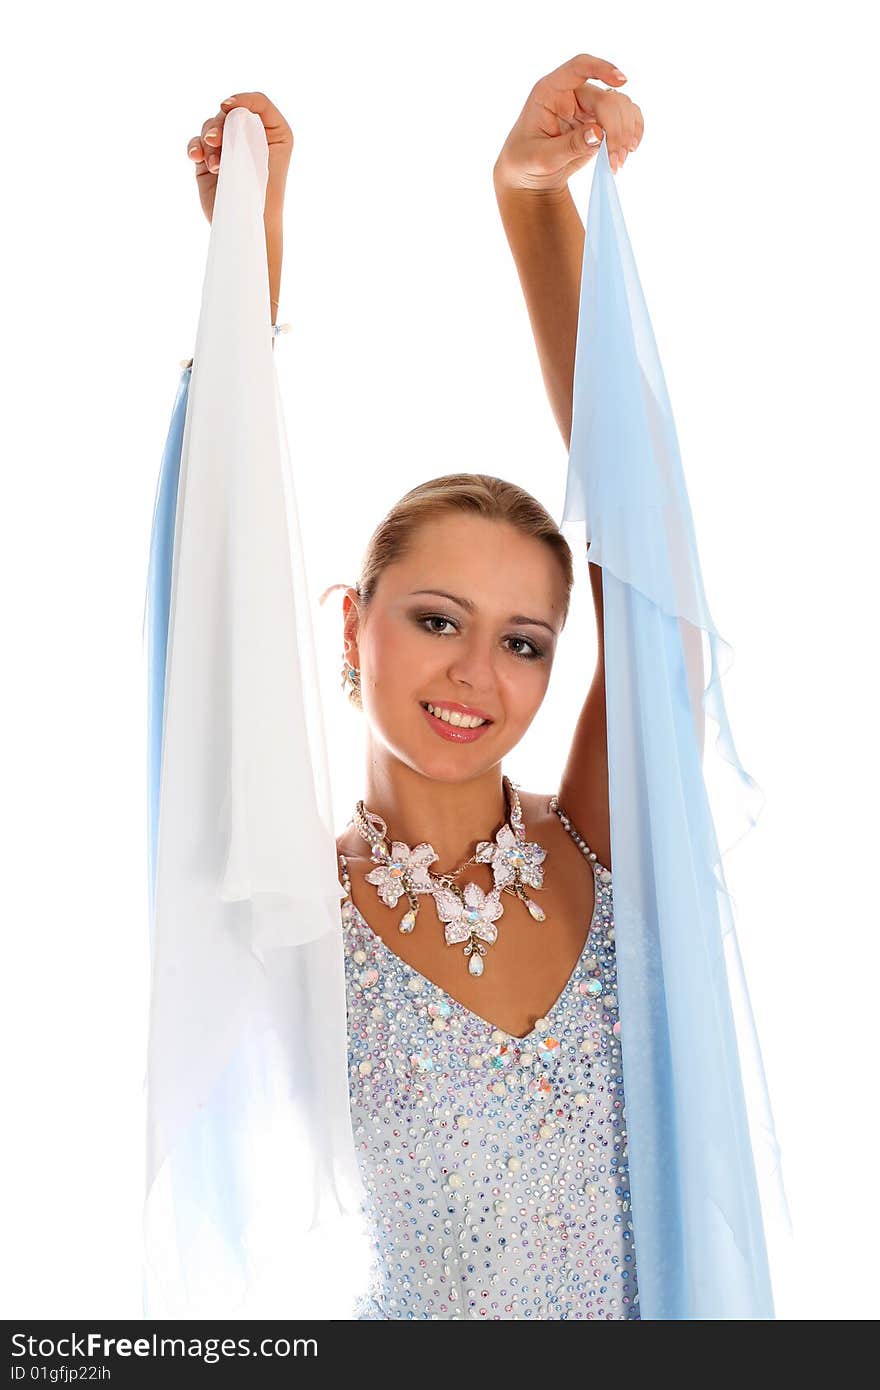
point(704, 1160)
point(251, 1166)
point(254, 1197)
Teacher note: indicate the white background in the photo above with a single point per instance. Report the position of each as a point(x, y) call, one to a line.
point(749, 209)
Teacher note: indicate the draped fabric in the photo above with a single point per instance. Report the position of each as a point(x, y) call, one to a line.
point(252, 1180)
point(702, 1144)
point(253, 1192)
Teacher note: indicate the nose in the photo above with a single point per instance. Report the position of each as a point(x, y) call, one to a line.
point(473, 666)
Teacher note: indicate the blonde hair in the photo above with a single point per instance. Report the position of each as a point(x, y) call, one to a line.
point(476, 493)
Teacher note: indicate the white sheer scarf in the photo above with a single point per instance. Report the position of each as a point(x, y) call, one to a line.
point(252, 1177)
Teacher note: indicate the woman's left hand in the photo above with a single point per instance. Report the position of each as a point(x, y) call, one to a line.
point(560, 128)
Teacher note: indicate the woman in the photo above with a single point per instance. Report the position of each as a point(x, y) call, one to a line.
point(484, 1044)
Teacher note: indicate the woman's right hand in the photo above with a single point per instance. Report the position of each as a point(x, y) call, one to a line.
point(204, 150)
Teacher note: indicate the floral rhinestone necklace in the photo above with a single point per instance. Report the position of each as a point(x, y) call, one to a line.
point(469, 915)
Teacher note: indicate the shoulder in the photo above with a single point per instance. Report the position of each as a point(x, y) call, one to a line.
point(543, 822)
point(536, 809)
point(351, 845)
point(353, 858)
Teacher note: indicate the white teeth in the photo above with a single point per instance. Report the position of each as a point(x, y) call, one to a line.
point(463, 721)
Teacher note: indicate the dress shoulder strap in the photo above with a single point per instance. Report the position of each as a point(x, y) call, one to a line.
point(589, 854)
point(344, 876)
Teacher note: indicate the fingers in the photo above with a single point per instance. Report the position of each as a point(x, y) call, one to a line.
point(197, 155)
point(204, 149)
point(623, 124)
point(212, 141)
point(196, 152)
point(587, 139)
point(578, 147)
point(579, 70)
point(259, 103)
point(564, 93)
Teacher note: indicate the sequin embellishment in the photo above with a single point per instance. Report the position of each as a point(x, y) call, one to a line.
point(495, 1166)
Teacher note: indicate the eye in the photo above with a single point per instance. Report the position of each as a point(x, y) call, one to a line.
point(436, 618)
point(532, 651)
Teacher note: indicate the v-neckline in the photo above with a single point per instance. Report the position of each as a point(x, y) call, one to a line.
point(457, 1003)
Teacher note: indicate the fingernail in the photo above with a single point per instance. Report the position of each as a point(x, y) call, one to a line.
point(211, 134)
point(230, 101)
point(621, 74)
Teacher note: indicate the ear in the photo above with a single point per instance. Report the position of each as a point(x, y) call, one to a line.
point(351, 624)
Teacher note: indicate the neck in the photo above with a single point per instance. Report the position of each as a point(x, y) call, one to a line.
point(452, 816)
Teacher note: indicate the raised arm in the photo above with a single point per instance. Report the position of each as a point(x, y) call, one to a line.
point(558, 131)
point(546, 236)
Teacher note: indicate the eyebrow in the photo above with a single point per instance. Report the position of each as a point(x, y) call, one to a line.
point(470, 607)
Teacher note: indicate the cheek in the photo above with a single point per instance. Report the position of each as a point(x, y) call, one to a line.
point(397, 658)
point(524, 689)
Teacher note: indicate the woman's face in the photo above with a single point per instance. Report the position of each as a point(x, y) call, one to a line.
point(469, 618)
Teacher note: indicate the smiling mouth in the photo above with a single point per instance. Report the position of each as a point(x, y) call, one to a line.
point(460, 729)
point(454, 719)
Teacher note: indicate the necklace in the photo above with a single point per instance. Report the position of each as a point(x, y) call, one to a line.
point(468, 914)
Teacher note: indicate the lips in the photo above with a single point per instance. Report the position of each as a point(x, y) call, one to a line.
point(453, 705)
point(453, 733)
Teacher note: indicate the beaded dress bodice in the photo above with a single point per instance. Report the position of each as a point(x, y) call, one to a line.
point(495, 1166)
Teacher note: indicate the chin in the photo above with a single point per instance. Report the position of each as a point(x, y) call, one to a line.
point(445, 761)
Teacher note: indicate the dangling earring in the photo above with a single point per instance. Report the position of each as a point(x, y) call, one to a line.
point(351, 678)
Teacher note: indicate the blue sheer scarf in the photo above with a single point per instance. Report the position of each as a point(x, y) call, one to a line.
point(696, 1099)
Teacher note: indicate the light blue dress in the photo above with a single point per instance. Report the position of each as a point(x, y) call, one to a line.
point(495, 1166)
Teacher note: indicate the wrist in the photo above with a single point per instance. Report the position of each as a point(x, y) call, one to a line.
point(509, 190)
